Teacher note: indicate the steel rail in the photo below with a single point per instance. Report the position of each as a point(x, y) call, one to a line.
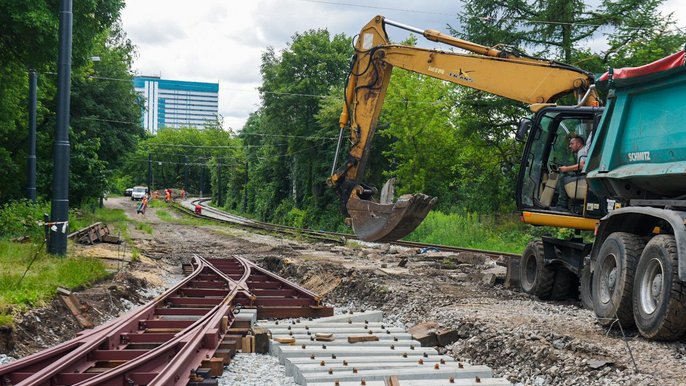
point(45, 361)
point(333, 235)
point(162, 345)
point(110, 346)
point(175, 362)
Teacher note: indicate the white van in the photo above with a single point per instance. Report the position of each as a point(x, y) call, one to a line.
point(138, 192)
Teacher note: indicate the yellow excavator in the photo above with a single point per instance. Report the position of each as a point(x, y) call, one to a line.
point(500, 71)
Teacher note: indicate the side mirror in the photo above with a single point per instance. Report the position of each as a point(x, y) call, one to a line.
point(523, 129)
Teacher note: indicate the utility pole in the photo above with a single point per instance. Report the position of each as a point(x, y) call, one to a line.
point(202, 178)
point(150, 172)
point(57, 242)
point(245, 188)
point(31, 162)
point(185, 173)
point(219, 182)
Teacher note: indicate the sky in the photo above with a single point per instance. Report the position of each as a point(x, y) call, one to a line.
point(222, 41)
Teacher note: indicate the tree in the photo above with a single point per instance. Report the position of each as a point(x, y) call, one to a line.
point(288, 150)
point(28, 39)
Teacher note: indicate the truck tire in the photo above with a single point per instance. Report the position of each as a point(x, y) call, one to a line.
point(586, 287)
point(535, 278)
point(563, 284)
point(613, 278)
point(659, 295)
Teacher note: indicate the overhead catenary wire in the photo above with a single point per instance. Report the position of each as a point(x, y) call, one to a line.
point(427, 12)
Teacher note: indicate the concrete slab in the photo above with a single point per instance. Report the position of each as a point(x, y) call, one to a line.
point(247, 315)
point(348, 329)
point(370, 316)
point(344, 343)
point(402, 374)
point(395, 353)
point(344, 336)
point(431, 359)
point(429, 382)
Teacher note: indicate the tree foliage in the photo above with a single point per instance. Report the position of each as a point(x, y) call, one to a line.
point(288, 149)
point(105, 114)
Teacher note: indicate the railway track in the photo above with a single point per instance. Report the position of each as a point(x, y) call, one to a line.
point(216, 214)
point(183, 337)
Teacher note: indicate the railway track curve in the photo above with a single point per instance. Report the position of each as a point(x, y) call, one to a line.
point(185, 336)
point(207, 211)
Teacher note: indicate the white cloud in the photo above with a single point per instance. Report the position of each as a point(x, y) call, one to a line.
point(222, 41)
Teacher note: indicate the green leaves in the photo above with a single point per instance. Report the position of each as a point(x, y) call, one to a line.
point(105, 115)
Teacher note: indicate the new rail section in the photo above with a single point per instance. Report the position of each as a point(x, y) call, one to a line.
point(183, 337)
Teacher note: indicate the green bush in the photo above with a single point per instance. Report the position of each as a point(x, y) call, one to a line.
point(23, 218)
point(296, 217)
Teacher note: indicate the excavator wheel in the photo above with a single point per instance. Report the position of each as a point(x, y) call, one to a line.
point(535, 277)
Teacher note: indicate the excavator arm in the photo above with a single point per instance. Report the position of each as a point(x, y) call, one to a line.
point(503, 72)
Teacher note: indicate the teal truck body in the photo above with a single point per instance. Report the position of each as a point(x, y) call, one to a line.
point(639, 148)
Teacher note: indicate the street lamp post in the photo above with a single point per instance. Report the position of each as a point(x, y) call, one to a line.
point(31, 162)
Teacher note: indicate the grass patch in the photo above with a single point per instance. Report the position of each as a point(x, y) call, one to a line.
point(495, 233)
point(147, 228)
point(164, 215)
point(45, 274)
point(115, 219)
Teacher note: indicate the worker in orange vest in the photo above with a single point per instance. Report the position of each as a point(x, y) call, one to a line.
point(167, 195)
point(157, 195)
point(143, 205)
point(183, 193)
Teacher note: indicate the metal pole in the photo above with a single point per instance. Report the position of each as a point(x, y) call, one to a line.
point(219, 182)
point(185, 173)
point(202, 178)
point(245, 188)
point(60, 184)
point(150, 171)
point(31, 162)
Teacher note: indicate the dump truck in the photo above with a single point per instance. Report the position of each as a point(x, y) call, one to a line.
point(629, 190)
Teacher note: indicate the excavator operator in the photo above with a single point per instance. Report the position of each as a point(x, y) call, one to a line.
point(577, 145)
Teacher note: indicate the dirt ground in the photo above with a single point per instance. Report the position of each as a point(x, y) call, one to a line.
point(525, 340)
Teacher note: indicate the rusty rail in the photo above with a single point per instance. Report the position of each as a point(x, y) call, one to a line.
point(334, 236)
point(183, 337)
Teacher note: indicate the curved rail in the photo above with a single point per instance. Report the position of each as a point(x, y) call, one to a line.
point(184, 335)
point(329, 236)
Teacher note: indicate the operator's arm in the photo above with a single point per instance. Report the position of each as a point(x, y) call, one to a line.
point(573, 168)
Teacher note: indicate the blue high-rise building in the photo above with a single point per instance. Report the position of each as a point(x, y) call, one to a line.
point(177, 103)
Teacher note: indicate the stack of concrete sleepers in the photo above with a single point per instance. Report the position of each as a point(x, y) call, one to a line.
point(319, 352)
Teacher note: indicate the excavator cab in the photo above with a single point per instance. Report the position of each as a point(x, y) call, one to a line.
point(541, 187)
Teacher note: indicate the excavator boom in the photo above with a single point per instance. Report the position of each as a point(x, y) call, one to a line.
point(507, 73)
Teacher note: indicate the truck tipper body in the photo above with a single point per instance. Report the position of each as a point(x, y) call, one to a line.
point(639, 149)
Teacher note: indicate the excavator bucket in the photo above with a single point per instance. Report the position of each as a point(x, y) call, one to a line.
point(386, 221)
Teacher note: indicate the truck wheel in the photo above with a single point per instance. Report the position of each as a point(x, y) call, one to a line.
point(563, 284)
point(586, 287)
point(613, 278)
point(535, 278)
point(658, 301)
